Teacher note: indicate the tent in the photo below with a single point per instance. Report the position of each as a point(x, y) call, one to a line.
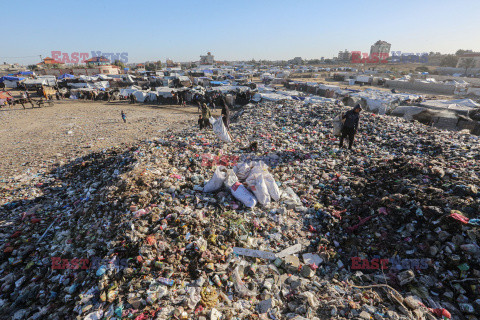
point(66, 76)
point(26, 73)
point(16, 79)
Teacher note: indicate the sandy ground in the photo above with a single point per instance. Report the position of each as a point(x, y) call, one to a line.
point(42, 136)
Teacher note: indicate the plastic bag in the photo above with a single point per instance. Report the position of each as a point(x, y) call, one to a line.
point(337, 125)
point(259, 188)
point(220, 130)
point(272, 187)
point(217, 180)
point(240, 287)
point(291, 197)
point(238, 190)
point(242, 170)
point(259, 167)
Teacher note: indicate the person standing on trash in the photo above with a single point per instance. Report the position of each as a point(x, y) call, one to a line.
point(206, 114)
point(350, 125)
point(124, 117)
point(226, 116)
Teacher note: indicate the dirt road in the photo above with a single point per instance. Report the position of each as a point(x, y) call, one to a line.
point(69, 129)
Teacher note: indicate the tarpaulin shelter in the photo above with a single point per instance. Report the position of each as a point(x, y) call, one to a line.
point(11, 82)
point(26, 73)
point(8, 78)
point(66, 76)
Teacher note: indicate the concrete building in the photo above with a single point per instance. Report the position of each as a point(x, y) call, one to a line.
point(10, 68)
point(471, 55)
point(207, 60)
point(109, 69)
point(344, 55)
point(380, 47)
point(97, 61)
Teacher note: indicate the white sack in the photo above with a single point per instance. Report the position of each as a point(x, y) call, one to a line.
point(259, 188)
point(217, 180)
point(337, 125)
point(238, 190)
point(220, 130)
point(242, 170)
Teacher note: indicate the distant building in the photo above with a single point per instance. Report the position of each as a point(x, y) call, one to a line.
point(97, 61)
point(470, 55)
point(49, 62)
point(207, 60)
point(344, 55)
point(109, 69)
point(380, 47)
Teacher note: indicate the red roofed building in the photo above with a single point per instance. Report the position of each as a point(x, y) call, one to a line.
point(49, 62)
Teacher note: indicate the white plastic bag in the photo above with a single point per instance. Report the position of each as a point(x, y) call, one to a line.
point(259, 167)
point(259, 188)
point(217, 180)
point(238, 190)
point(337, 125)
point(220, 130)
point(272, 187)
point(242, 170)
point(291, 197)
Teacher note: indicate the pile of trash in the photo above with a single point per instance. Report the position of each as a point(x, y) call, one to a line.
point(186, 226)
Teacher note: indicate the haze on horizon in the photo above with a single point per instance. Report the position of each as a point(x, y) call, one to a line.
point(234, 30)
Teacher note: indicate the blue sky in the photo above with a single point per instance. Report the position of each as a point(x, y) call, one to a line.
point(234, 30)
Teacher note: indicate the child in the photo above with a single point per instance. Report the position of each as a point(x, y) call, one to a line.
point(124, 117)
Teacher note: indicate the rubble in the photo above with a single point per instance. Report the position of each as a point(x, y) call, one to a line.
point(407, 191)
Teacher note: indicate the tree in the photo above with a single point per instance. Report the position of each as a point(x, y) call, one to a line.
point(314, 61)
point(32, 67)
point(120, 64)
point(467, 64)
point(449, 61)
point(460, 52)
point(159, 64)
point(149, 66)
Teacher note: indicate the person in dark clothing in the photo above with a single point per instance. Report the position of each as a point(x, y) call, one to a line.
point(200, 122)
point(350, 125)
point(124, 117)
point(226, 116)
point(206, 114)
point(132, 98)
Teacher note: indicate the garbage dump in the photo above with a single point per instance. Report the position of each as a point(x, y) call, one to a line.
point(389, 230)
